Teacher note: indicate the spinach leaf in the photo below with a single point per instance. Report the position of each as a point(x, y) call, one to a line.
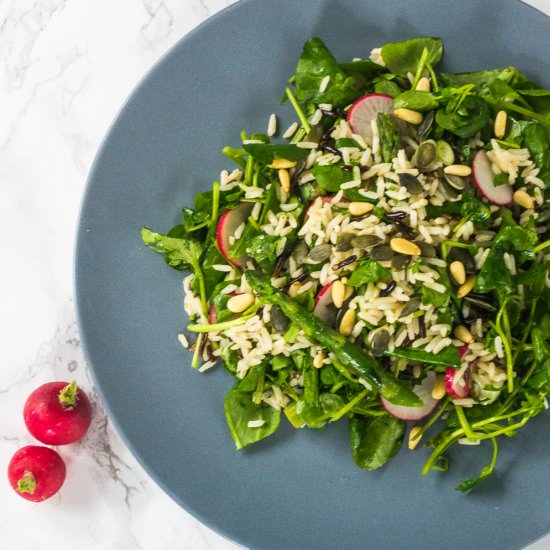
point(315, 63)
point(362, 71)
point(471, 116)
point(418, 101)
point(538, 143)
point(387, 87)
point(390, 136)
point(316, 415)
point(262, 248)
point(329, 177)
point(448, 357)
point(212, 276)
point(193, 219)
point(431, 296)
point(482, 79)
point(368, 271)
point(473, 209)
point(266, 153)
point(375, 441)
point(404, 57)
point(239, 410)
point(179, 253)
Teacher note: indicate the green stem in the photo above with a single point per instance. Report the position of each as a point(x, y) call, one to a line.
point(435, 84)
point(441, 448)
point(344, 410)
point(521, 345)
point(298, 109)
point(523, 111)
point(27, 483)
point(196, 354)
point(433, 418)
point(420, 68)
point(542, 246)
point(215, 201)
point(217, 327)
point(465, 424)
point(68, 396)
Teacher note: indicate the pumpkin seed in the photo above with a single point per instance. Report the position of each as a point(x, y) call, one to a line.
point(426, 125)
point(344, 242)
point(381, 252)
point(320, 253)
point(379, 343)
point(426, 250)
point(410, 307)
point(279, 320)
point(400, 261)
point(456, 182)
point(425, 155)
point(365, 241)
point(445, 152)
point(410, 183)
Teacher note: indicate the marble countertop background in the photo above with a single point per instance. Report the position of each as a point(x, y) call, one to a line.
point(66, 68)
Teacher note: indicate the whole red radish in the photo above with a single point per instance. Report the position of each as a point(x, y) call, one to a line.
point(36, 473)
point(58, 413)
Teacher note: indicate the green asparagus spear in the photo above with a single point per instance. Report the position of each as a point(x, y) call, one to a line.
point(390, 136)
point(348, 353)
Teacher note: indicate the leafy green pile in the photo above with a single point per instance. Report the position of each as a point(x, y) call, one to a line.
point(458, 107)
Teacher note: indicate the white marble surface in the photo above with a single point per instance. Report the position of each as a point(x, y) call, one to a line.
point(66, 67)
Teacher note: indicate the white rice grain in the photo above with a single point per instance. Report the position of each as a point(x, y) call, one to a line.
point(272, 125)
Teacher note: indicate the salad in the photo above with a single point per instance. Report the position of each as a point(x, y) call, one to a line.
point(386, 262)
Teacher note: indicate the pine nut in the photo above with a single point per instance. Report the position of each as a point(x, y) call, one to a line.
point(523, 199)
point(458, 271)
point(467, 287)
point(458, 170)
point(423, 85)
point(414, 439)
point(338, 293)
point(318, 360)
point(293, 289)
point(277, 164)
point(438, 391)
point(240, 302)
point(284, 178)
point(359, 208)
point(463, 334)
point(500, 124)
point(403, 246)
point(408, 115)
point(347, 323)
point(349, 292)
point(417, 371)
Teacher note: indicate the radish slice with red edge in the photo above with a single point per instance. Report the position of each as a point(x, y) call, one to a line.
point(484, 178)
point(413, 414)
point(457, 387)
point(228, 223)
point(212, 315)
point(463, 350)
point(365, 110)
point(323, 303)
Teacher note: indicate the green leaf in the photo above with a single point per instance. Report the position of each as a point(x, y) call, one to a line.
point(266, 153)
point(316, 415)
point(212, 276)
point(239, 410)
point(329, 177)
point(403, 57)
point(469, 484)
point(472, 116)
point(262, 248)
point(431, 296)
point(416, 100)
point(482, 79)
point(387, 87)
point(448, 357)
point(367, 271)
point(179, 253)
point(538, 143)
point(375, 441)
point(315, 63)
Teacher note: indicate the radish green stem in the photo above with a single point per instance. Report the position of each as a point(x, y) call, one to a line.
point(350, 405)
point(433, 418)
point(196, 355)
point(542, 246)
point(465, 424)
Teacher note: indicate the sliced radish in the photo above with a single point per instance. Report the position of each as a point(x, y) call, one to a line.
point(228, 223)
point(484, 179)
point(323, 304)
point(455, 386)
point(463, 350)
point(325, 198)
point(212, 315)
point(412, 414)
point(365, 110)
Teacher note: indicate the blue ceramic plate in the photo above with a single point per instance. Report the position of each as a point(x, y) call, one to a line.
point(297, 489)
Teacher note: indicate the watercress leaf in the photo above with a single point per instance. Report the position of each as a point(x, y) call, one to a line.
point(431, 296)
point(390, 136)
point(193, 219)
point(448, 357)
point(179, 253)
point(474, 209)
point(470, 118)
point(403, 57)
point(387, 87)
point(266, 153)
point(538, 143)
point(238, 156)
point(367, 271)
point(481, 79)
point(262, 248)
point(469, 484)
point(329, 177)
point(239, 410)
point(375, 441)
point(212, 276)
point(416, 100)
point(494, 273)
point(362, 71)
point(316, 63)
